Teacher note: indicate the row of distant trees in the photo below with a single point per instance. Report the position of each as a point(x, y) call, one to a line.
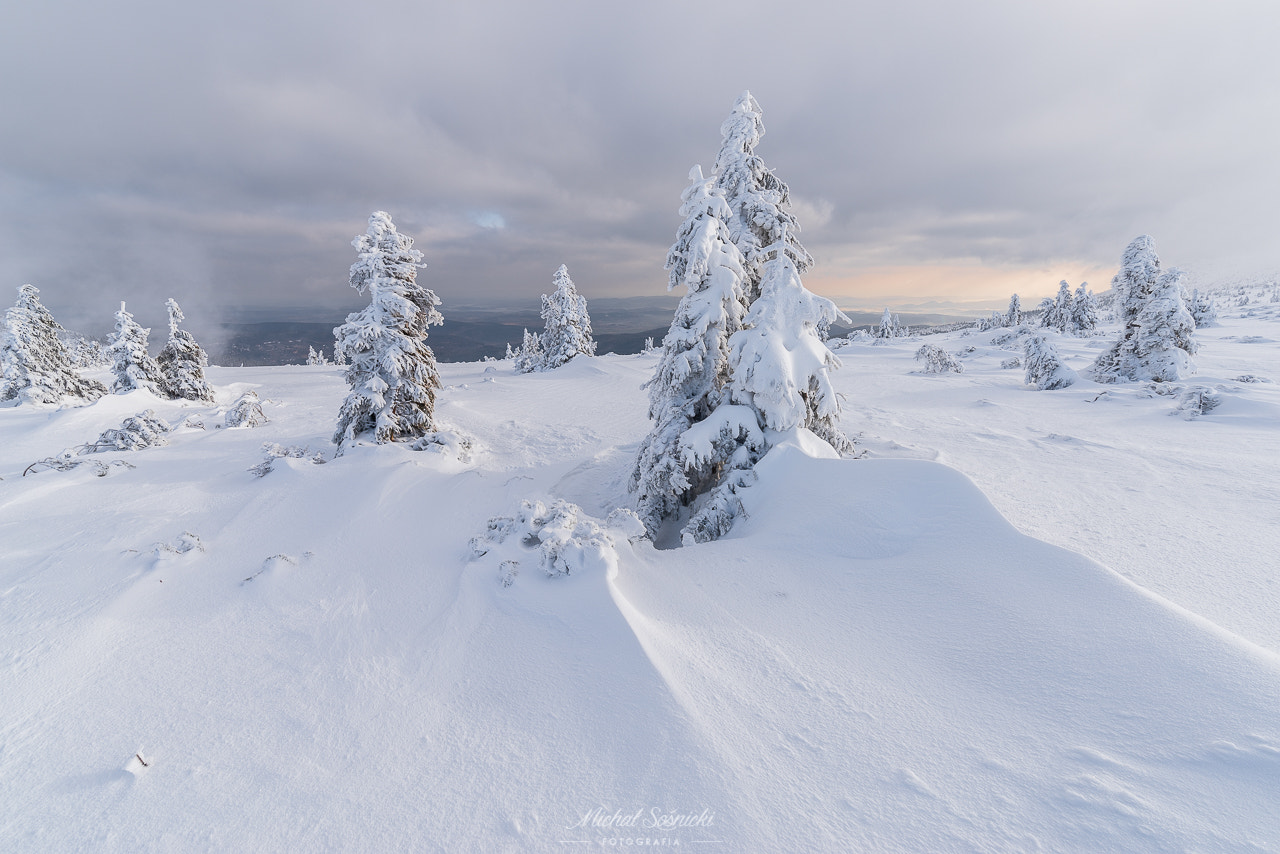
point(37, 366)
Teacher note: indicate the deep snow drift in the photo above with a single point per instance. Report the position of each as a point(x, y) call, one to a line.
point(875, 659)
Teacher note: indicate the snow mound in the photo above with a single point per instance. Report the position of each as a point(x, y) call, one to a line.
point(935, 674)
point(565, 539)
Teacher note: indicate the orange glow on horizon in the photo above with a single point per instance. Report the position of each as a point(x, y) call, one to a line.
point(982, 287)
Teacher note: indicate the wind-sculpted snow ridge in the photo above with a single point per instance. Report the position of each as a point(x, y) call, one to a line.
point(946, 683)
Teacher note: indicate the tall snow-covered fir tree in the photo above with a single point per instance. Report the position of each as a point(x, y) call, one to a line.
point(1154, 321)
point(568, 329)
point(779, 380)
point(35, 366)
point(391, 371)
point(888, 327)
point(1013, 317)
point(719, 394)
point(130, 362)
point(689, 382)
point(759, 202)
point(1084, 309)
point(182, 362)
point(1058, 311)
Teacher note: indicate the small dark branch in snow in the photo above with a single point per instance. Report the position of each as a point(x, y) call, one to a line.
point(145, 763)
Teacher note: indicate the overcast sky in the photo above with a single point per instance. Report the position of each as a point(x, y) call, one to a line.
point(228, 152)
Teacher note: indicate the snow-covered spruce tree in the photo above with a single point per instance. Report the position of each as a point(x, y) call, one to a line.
point(1143, 354)
point(689, 381)
point(1203, 310)
point(1045, 369)
point(1166, 332)
point(779, 376)
point(392, 372)
point(1013, 317)
point(568, 330)
point(1058, 312)
point(132, 364)
point(759, 203)
point(529, 356)
point(1084, 309)
point(888, 326)
point(35, 366)
point(182, 362)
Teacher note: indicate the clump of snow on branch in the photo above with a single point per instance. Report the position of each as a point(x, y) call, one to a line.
point(561, 538)
point(721, 508)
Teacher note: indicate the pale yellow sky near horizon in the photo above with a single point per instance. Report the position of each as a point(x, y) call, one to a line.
point(973, 286)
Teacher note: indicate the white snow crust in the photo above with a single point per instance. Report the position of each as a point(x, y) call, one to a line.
point(1024, 621)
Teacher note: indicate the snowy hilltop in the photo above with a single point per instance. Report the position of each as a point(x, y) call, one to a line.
point(1006, 586)
point(1062, 637)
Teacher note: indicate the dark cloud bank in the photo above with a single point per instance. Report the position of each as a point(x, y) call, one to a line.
point(225, 155)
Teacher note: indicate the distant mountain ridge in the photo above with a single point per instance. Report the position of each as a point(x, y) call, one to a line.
point(282, 335)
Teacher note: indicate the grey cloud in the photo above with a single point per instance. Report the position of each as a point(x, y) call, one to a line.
point(229, 152)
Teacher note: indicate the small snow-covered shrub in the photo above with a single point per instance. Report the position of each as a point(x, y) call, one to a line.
point(67, 460)
point(1015, 362)
point(1007, 338)
point(246, 411)
point(938, 361)
point(1251, 378)
point(448, 442)
point(1197, 400)
point(184, 543)
point(272, 452)
point(136, 432)
point(1045, 369)
point(566, 540)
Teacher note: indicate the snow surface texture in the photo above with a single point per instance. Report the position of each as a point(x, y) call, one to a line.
point(192, 657)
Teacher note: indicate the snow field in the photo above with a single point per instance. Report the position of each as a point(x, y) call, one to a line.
point(1061, 638)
